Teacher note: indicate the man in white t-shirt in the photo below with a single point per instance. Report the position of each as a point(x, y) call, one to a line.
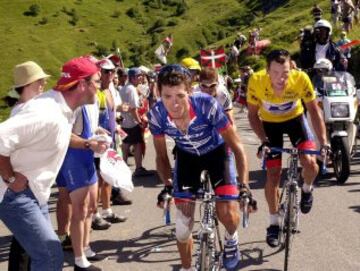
point(33, 145)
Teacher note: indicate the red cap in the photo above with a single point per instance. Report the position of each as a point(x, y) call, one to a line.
point(75, 70)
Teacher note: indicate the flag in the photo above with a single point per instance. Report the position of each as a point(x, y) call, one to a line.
point(160, 53)
point(213, 58)
point(116, 59)
point(349, 44)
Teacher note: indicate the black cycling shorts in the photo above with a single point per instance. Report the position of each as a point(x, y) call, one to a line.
point(219, 163)
point(298, 131)
point(134, 135)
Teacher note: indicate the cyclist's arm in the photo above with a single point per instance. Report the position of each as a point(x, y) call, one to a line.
point(233, 141)
point(316, 117)
point(255, 122)
point(162, 160)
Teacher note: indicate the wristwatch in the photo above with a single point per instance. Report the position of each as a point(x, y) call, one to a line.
point(11, 180)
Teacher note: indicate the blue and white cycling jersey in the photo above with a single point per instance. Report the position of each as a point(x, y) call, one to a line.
point(207, 120)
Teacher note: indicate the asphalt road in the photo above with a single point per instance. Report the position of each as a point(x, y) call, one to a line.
point(329, 238)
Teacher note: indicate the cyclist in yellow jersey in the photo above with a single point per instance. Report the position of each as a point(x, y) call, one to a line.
point(274, 108)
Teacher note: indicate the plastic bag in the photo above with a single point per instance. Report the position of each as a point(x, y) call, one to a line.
point(115, 171)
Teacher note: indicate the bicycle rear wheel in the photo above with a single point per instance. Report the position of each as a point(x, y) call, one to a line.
point(204, 256)
point(289, 216)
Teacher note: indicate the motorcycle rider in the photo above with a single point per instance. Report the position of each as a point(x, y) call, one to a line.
point(322, 47)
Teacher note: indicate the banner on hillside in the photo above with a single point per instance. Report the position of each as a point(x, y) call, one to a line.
point(213, 58)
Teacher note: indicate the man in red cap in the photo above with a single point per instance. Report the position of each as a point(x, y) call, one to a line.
point(33, 144)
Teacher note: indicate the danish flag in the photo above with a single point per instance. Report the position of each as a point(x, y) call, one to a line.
point(213, 58)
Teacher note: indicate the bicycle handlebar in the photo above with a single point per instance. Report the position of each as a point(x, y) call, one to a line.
point(200, 196)
point(297, 152)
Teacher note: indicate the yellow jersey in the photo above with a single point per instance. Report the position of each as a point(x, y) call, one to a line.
point(281, 108)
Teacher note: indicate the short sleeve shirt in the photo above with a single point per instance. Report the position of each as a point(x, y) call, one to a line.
point(130, 96)
point(207, 120)
point(288, 106)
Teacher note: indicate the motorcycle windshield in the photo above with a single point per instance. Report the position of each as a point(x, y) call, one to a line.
point(339, 84)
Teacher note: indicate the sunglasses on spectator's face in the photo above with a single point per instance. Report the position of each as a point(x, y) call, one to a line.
point(108, 71)
point(212, 85)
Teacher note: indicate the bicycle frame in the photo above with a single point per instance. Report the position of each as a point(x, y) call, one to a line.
point(210, 249)
point(289, 203)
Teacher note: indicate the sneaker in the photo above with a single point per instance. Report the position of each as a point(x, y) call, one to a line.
point(121, 199)
point(141, 171)
point(100, 224)
point(231, 254)
point(66, 243)
point(90, 268)
point(272, 235)
point(96, 258)
point(113, 218)
point(306, 202)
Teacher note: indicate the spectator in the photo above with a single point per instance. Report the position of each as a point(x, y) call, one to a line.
point(335, 11)
point(29, 79)
point(132, 123)
point(344, 40)
point(316, 12)
point(348, 9)
point(35, 141)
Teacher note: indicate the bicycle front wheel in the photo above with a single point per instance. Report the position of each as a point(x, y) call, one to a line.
point(288, 231)
point(204, 256)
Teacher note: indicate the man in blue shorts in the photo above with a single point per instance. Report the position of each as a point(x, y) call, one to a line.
point(200, 129)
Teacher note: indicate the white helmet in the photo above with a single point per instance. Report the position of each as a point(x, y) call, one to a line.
point(323, 63)
point(323, 23)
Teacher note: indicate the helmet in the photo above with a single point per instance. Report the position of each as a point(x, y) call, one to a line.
point(324, 64)
point(191, 64)
point(323, 23)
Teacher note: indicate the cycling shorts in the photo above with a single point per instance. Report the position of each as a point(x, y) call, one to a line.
point(218, 162)
point(298, 131)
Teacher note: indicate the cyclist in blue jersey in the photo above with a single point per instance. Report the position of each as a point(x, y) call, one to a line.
point(200, 129)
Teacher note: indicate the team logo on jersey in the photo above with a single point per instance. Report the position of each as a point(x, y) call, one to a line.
point(279, 109)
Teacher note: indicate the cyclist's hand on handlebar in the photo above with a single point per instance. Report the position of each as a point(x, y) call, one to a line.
point(244, 191)
point(264, 147)
point(164, 194)
point(325, 150)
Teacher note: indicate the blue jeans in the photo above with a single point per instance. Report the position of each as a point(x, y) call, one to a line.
point(31, 226)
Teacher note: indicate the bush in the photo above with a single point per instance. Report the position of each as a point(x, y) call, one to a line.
point(180, 9)
point(133, 13)
point(182, 53)
point(116, 14)
point(172, 23)
point(101, 51)
point(74, 18)
point(33, 11)
point(43, 21)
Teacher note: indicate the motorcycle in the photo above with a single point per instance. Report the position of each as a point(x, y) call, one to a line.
point(337, 96)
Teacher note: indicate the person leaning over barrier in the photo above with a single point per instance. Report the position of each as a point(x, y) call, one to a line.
point(33, 145)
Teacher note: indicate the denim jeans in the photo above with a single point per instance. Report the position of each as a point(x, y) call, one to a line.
point(31, 226)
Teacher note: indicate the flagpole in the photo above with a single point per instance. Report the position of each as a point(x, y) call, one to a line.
point(119, 55)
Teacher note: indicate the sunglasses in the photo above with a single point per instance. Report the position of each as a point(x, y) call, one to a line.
point(212, 85)
point(174, 68)
point(108, 71)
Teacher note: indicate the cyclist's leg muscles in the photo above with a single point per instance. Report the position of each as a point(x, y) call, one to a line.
point(187, 174)
point(302, 137)
point(274, 133)
point(221, 166)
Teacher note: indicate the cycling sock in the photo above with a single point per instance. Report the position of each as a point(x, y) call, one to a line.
point(187, 269)
point(307, 188)
point(82, 262)
point(229, 236)
point(107, 212)
point(88, 252)
point(274, 219)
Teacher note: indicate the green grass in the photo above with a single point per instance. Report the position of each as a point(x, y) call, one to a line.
point(51, 38)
